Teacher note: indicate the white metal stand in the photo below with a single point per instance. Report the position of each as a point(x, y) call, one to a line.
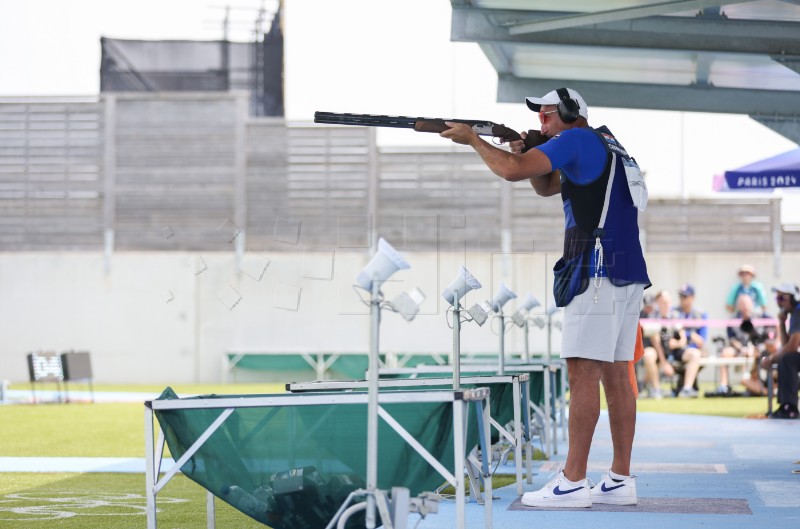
point(502, 360)
point(526, 355)
point(372, 403)
point(456, 342)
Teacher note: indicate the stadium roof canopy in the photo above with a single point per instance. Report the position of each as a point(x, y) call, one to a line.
point(688, 55)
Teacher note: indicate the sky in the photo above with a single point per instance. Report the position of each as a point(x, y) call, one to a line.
point(364, 56)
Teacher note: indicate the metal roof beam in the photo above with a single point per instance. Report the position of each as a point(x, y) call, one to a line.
point(693, 98)
point(498, 57)
point(614, 15)
point(702, 34)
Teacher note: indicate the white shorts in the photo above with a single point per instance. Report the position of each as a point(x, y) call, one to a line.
point(605, 330)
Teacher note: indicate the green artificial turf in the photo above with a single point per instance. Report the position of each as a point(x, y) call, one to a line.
point(104, 501)
point(751, 407)
point(74, 430)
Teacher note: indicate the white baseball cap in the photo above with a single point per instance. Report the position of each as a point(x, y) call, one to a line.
point(551, 98)
point(787, 288)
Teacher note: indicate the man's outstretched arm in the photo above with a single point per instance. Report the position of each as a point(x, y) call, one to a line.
point(533, 165)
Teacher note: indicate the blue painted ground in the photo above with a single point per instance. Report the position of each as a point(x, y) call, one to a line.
point(675, 457)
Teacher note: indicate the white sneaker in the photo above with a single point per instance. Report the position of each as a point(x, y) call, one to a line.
point(615, 492)
point(560, 492)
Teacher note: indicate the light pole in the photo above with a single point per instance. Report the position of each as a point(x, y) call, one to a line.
point(501, 297)
point(458, 288)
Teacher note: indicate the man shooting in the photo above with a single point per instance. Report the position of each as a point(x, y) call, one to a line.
point(599, 279)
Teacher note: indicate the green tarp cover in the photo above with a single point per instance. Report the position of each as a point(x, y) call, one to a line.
point(291, 467)
point(501, 406)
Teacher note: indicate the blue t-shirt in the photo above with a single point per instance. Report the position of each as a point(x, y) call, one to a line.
point(578, 153)
point(755, 291)
point(694, 315)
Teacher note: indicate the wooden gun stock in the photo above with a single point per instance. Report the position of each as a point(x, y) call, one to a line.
point(533, 138)
point(434, 125)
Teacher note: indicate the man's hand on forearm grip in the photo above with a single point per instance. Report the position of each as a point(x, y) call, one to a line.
point(530, 139)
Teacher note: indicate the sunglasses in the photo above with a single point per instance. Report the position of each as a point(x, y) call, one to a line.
point(781, 297)
point(543, 116)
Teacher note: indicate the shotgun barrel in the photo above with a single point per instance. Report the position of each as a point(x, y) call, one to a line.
point(420, 124)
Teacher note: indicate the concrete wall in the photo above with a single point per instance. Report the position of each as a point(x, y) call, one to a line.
point(170, 317)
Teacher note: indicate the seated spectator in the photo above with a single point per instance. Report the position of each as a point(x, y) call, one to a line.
point(744, 340)
point(673, 345)
point(787, 357)
point(747, 285)
point(755, 382)
point(696, 337)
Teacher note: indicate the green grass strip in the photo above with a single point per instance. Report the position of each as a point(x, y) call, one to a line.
point(100, 501)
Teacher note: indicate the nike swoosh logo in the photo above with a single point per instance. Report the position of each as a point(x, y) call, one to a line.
point(558, 492)
point(608, 489)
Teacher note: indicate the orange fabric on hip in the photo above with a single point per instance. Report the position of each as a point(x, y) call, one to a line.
point(638, 353)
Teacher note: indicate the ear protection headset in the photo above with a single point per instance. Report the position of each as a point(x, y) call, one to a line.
point(568, 108)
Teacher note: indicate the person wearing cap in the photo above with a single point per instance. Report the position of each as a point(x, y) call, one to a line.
point(749, 286)
point(599, 279)
point(696, 337)
point(787, 296)
point(675, 346)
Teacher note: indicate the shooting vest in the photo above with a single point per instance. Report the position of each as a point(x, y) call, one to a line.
point(623, 260)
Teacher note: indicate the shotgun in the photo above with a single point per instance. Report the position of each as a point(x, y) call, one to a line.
point(484, 128)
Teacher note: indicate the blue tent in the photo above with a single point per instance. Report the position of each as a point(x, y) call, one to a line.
point(779, 172)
